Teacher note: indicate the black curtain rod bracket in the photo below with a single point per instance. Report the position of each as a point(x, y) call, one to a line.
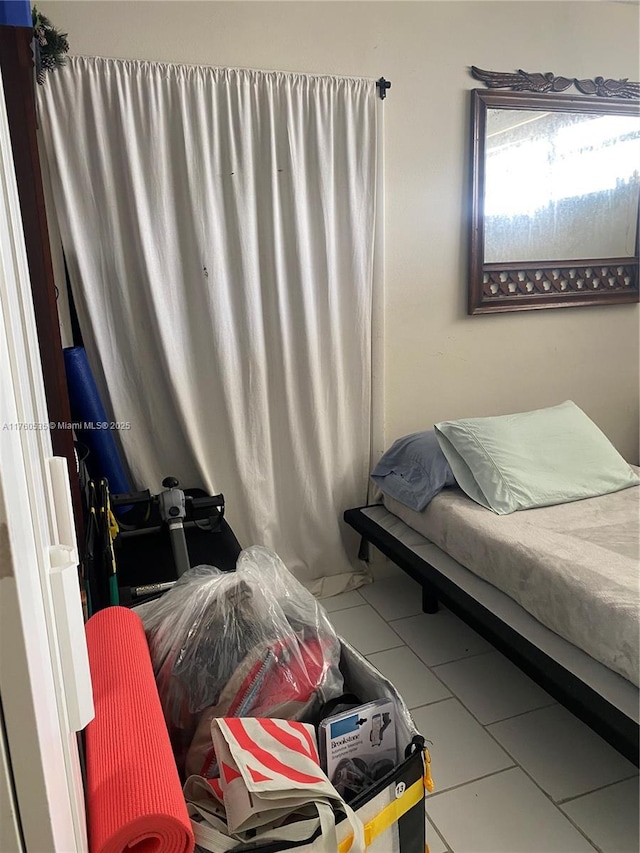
point(383, 85)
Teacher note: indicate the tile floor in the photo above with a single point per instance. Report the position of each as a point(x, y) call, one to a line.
point(514, 771)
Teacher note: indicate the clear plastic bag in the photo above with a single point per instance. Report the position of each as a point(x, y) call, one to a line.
point(253, 642)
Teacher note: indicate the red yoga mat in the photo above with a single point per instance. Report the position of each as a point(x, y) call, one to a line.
point(134, 795)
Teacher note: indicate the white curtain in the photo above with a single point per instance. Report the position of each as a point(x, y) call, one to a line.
point(218, 228)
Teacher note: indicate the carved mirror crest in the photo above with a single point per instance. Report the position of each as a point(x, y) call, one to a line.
point(555, 193)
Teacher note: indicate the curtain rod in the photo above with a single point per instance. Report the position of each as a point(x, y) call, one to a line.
point(382, 86)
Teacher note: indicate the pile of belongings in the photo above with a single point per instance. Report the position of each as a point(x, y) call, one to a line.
point(248, 643)
point(246, 662)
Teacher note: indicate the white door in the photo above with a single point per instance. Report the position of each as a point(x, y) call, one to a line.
point(10, 833)
point(45, 687)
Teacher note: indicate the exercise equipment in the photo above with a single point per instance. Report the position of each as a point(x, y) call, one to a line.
point(166, 534)
point(90, 421)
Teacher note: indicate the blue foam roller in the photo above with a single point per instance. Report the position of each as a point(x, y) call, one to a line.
point(87, 408)
point(15, 13)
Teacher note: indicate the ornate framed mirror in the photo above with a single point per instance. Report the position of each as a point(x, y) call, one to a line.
point(555, 194)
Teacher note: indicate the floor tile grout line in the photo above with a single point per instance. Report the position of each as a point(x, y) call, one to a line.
point(452, 695)
point(457, 787)
point(516, 762)
point(388, 648)
point(568, 800)
point(379, 651)
point(431, 704)
point(540, 788)
point(433, 675)
point(515, 766)
point(395, 618)
point(533, 711)
point(388, 624)
point(492, 651)
point(444, 662)
point(581, 831)
point(432, 669)
point(486, 726)
point(341, 609)
point(516, 715)
point(437, 832)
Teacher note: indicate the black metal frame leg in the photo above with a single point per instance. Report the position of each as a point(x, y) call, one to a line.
point(429, 600)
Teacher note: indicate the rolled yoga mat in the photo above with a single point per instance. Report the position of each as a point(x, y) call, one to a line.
point(134, 796)
point(86, 407)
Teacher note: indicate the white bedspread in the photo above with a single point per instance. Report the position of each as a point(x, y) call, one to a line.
point(575, 567)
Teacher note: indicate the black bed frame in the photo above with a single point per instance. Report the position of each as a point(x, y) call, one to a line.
point(603, 717)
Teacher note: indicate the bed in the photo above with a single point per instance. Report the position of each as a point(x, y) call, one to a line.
point(555, 588)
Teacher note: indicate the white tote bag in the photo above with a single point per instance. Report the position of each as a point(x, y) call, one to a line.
point(269, 773)
point(332, 838)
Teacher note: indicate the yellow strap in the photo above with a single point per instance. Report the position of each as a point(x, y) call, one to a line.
point(429, 784)
point(388, 816)
point(114, 528)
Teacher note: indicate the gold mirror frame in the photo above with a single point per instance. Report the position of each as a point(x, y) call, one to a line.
point(552, 282)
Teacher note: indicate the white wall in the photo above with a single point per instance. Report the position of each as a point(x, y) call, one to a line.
point(439, 363)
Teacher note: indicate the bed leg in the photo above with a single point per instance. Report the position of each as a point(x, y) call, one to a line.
point(429, 600)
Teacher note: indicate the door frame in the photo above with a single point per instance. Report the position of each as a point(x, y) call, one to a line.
point(43, 750)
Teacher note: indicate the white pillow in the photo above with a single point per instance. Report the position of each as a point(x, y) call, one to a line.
point(540, 458)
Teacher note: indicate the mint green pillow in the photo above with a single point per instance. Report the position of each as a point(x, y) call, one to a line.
point(541, 458)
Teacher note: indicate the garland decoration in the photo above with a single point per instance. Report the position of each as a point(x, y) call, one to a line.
point(50, 45)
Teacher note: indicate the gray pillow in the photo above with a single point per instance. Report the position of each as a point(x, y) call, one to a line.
point(413, 470)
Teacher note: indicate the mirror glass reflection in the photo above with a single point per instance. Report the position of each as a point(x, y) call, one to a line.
point(560, 185)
